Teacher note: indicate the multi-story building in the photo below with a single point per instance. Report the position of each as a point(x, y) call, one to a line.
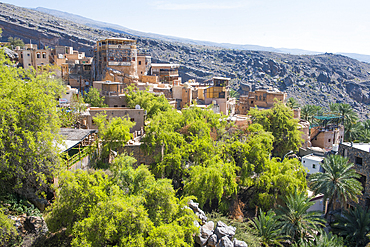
point(359, 155)
point(31, 57)
point(116, 57)
point(262, 98)
point(218, 95)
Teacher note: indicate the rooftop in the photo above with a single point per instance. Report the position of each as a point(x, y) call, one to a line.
point(313, 157)
point(362, 146)
point(221, 78)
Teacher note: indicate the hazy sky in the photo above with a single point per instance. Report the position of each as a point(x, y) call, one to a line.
point(316, 25)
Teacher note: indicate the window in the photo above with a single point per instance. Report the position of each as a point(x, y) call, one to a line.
point(313, 166)
point(115, 106)
point(38, 55)
point(139, 62)
point(21, 55)
point(329, 140)
point(358, 161)
point(43, 55)
point(28, 55)
point(304, 161)
point(252, 102)
point(132, 119)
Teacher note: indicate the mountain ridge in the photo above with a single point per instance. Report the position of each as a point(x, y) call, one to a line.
point(311, 79)
point(118, 28)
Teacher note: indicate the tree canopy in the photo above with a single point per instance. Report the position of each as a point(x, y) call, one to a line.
point(94, 99)
point(29, 128)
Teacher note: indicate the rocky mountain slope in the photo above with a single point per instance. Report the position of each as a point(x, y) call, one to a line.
point(311, 79)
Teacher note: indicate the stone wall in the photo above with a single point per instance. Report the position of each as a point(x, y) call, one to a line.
point(351, 153)
point(136, 151)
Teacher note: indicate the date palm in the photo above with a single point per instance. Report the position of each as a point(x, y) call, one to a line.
point(353, 225)
point(295, 221)
point(292, 103)
point(267, 228)
point(337, 183)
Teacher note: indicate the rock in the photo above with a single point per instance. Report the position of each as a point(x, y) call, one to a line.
point(323, 77)
point(204, 234)
point(238, 243)
point(35, 224)
point(225, 242)
point(194, 206)
point(289, 80)
point(209, 226)
point(212, 240)
point(224, 230)
point(301, 83)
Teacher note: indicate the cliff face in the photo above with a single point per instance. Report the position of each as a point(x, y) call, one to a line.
point(311, 79)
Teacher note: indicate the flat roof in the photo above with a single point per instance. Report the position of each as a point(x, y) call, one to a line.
point(172, 65)
point(313, 157)
point(221, 78)
point(121, 39)
point(362, 146)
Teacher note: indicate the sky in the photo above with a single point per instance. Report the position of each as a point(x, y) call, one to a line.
point(314, 25)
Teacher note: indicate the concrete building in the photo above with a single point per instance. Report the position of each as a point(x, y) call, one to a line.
point(134, 115)
point(144, 62)
point(113, 92)
point(262, 98)
point(312, 163)
point(359, 155)
point(117, 58)
point(326, 136)
point(218, 95)
point(31, 57)
point(167, 73)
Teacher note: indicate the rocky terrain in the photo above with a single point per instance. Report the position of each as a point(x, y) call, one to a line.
point(311, 79)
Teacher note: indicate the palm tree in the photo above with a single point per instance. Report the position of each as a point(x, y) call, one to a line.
point(309, 111)
point(337, 183)
point(354, 225)
point(295, 221)
point(266, 225)
point(352, 131)
point(292, 103)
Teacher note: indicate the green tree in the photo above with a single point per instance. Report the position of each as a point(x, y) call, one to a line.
point(148, 101)
point(77, 195)
point(309, 111)
point(234, 94)
point(278, 179)
point(267, 226)
point(353, 225)
point(29, 129)
point(120, 221)
point(338, 182)
point(94, 99)
point(15, 42)
point(295, 221)
point(280, 122)
point(113, 133)
point(292, 103)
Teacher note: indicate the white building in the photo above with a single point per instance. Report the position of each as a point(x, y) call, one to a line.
point(312, 163)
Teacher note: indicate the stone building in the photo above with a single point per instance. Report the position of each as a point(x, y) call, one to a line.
point(218, 95)
point(134, 115)
point(359, 155)
point(262, 98)
point(116, 57)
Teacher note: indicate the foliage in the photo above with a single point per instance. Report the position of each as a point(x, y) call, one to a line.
point(322, 239)
point(280, 122)
point(113, 133)
point(292, 103)
point(279, 179)
point(29, 128)
point(19, 205)
point(8, 232)
point(266, 225)
point(15, 42)
point(77, 195)
point(115, 222)
point(295, 221)
point(309, 111)
point(234, 94)
point(148, 101)
point(94, 99)
point(212, 181)
point(338, 183)
point(353, 225)
point(102, 210)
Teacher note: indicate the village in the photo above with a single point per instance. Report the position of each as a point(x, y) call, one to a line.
point(118, 67)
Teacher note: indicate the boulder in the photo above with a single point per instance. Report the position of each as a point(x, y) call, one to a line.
point(225, 242)
point(212, 240)
point(289, 80)
point(238, 243)
point(323, 77)
point(224, 230)
point(36, 225)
